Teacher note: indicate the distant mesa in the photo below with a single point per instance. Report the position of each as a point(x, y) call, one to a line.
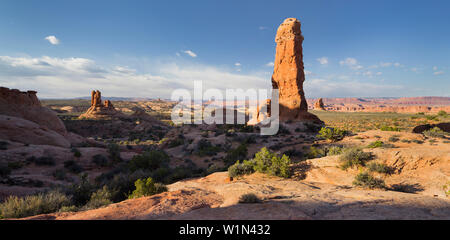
point(99, 109)
point(318, 105)
point(288, 75)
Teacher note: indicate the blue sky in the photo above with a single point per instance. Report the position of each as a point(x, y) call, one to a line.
point(149, 48)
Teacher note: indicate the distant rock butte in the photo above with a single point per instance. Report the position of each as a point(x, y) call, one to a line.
point(288, 75)
point(318, 105)
point(99, 109)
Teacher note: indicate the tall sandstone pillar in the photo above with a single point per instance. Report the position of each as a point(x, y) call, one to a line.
point(288, 75)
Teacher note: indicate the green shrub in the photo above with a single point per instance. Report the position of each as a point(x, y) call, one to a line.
point(334, 150)
point(3, 145)
point(15, 165)
point(205, 148)
point(293, 153)
point(236, 154)
point(101, 197)
point(150, 160)
point(249, 198)
point(393, 139)
point(238, 169)
point(379, 168)
point(100, 160)
point(76, 152)
point(213, 168)
point(366, 180)
point(81, 192)
point(42, 161)
point(270, 163)
point(15, 207)
point(354, 157)
point(417, 141)
point(315, 153)
point(431, 117)
point(389, 128)
point(375, 144)
point(73, 167)
point(122, 184)
point(442, 113)
point(5, 170)
point(146, 187)
point(59, 174)
point(435, 133)
point(178, 173)
point(114, 152)
point(71, 208)
point(333, 134)
point(176, 142)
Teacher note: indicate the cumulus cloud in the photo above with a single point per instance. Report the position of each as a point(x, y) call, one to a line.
point(351, 63)
point(438, 73)
point(323, 60)
point(270, 64)
point(237, 64)
point(190, 53)
point(75, 77)
point(385, 64)
point(52, 39)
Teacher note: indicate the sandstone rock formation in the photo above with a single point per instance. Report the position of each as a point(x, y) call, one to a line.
point(27, 132)
point(26, 105)
point(398, 105)
point(288, 75)
point(99, 109)
point(318, 105)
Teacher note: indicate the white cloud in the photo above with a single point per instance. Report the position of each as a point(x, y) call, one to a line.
point(435, 68)
point(190, 53)
point(368, 73)
point(52, 39)
point(351, 63)
point(385, 64)
point(270, 64)
point(323, 60)
point(438, 73)
point(321, 87)
point(379, 73)
point(75, 77)
point(397, 64)
point(237, 64)
point(307, 73)
point(262, 28)
point(414, 69)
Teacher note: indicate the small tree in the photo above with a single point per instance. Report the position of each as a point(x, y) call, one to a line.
point(332, 134)
point(146, 187)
